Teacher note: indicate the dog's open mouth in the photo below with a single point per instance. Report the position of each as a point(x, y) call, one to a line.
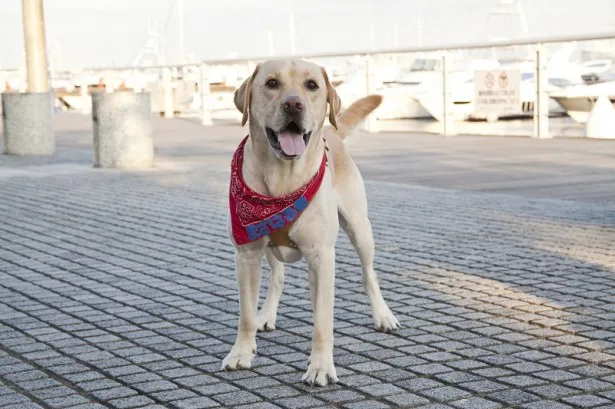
point(290, 140)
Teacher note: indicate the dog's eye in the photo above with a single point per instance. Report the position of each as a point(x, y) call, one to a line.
point(272, 83)
point(311, 85)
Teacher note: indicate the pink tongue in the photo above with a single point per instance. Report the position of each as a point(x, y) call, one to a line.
point(291, 143)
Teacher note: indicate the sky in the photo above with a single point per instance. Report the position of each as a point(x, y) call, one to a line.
point(95, 33)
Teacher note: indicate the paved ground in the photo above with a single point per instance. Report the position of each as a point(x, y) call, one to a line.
point(117, 290)
point(572, 169)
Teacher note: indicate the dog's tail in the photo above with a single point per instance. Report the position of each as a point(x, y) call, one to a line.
point(355, 113)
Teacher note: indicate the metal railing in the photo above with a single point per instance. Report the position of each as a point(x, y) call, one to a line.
point(540, 112)
point(541, 106)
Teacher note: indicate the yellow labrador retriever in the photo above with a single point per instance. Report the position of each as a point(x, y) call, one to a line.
point(285, 102)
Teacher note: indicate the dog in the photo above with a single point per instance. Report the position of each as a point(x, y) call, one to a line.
point(285, 103)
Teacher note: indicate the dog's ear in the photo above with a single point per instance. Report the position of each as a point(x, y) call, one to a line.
point(333, 99)
point(243, 96)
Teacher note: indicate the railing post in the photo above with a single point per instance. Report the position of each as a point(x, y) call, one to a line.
point(86, 104)
point(167, 86)
point(541, 105)
point(448, 121)
point(205, 92)
point(370, 121)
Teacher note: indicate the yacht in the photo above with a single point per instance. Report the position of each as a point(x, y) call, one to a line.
point(578, 100)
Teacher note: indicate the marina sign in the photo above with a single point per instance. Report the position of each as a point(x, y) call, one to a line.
point(497, 92)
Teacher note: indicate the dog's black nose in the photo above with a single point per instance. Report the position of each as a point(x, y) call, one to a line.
point(293, 105)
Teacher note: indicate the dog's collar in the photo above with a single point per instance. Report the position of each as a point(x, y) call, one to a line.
point(254, 215)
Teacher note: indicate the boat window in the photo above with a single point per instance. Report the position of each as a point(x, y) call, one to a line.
point(527, 76)
point(422, 64)
point(597, 64)
point(560, 82)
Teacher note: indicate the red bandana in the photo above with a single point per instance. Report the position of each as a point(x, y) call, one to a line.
point(254, 215)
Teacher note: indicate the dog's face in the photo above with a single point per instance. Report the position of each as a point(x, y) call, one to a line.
point(286, 101)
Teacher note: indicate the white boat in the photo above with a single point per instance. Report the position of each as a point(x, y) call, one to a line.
point(462, 90)
point(397, 102)
point(578, 100)
point(401, 96)
point(462, 94)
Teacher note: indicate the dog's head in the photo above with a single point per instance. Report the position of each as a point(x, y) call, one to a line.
point(286, 103)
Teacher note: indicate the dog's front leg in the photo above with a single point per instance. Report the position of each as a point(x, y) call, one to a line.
point(248, 272)
point(321, 266)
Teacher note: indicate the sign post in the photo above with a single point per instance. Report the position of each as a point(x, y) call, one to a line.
point(497, 93)
point(448, 121)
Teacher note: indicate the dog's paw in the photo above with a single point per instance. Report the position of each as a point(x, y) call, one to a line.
point(240, 357)
point(385, 321)
point(321, 371)
point(266, 322)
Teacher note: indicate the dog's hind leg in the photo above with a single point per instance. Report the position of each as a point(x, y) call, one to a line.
point(269, 311)
point(354, 221)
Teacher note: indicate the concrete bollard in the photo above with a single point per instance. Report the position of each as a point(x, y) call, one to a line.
point(122, 130)
point(27, 120)
point(601, 120)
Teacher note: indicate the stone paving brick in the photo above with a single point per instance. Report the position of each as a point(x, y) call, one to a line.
point(209, 390)
point(173, 395)
point(236, 398)
point(131, 402)
point(476, 403)
point(407, 400)
point(589, 385)
point(338, 396)
point(446, 393)
point(546, 404)
point(299, 402)
point(200, 402)
point(419, 384)
point(556, 375)
point(66, 401)
point(458, 377)
point(113, 393)
point(98, 384)
point(512, 396)
point(99, 406)
point(553, 391)
point(367, 404)
point(259, 405)
point(255, 383)
point(155, 386)
point(522, 381)
point(586, 401)
point(11, 398)
point(277, 392)
point(38, 384)
point(83, 376)
point(24, 405)
point(483, 386)
point(592, 370)
point(380, 389)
